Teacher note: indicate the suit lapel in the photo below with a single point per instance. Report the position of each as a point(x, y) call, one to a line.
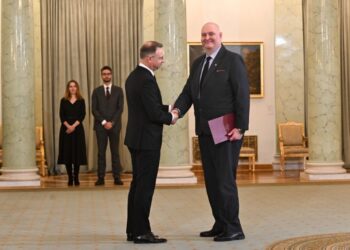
point(102, 90)
point(146, 71)
point(214, 64)
point(197, 74)
point(142, 69)
point(114, 90)
point(157, 87)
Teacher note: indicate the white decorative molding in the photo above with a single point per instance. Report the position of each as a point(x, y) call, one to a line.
point(19, 178)
point(176, 175)
point(324, 177)
point(325, 168)
point(325, 171)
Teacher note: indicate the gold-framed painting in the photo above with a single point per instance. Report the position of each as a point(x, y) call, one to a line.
point(253, 57)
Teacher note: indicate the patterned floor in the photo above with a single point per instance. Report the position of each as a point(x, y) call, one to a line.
point(323, 241)
point(95, 218)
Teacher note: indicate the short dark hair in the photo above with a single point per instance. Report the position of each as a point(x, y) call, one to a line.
point(149, 47)
point(106, 67)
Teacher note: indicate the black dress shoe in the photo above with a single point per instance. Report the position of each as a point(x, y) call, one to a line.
point(118, 181)
point(100, 182)
point(229, 236)
point(210, 233)
point(76, 181)
point(129, 237)
point(148, 238)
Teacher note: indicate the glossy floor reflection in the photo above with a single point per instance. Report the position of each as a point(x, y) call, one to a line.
point(244, 177)
point(262, 176)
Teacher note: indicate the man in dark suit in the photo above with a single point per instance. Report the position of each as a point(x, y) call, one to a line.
point(218, 85)
point(146, 116)
point(107, 108)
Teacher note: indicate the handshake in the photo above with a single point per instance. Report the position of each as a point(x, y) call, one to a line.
point(175, 112)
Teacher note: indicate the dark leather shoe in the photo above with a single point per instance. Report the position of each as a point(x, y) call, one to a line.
point(210, 233)
point(118, 181)
point(229, 236)
point(148, 238)
point(129, 237)
point(100, 182)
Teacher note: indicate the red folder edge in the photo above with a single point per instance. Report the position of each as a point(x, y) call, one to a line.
point(221, 126)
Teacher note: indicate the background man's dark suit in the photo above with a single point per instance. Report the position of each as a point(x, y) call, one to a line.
point(109, 109)
point(224, 90)
point(146, 116)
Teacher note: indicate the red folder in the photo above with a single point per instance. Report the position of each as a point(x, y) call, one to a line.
point(221, 126)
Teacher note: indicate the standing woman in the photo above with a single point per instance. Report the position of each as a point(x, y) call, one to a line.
point(72, 147)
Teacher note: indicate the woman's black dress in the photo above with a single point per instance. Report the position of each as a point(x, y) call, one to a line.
point(72, 147)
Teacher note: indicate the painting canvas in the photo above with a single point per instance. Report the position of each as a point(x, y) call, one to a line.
point(252, 54)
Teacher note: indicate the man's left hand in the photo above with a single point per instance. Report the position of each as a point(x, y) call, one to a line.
point(235, 134)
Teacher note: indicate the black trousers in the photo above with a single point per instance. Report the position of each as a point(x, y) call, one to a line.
point(102, 136)
point(220, 165)
point(145, 164)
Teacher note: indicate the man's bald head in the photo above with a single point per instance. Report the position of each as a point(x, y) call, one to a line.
point(211, 37)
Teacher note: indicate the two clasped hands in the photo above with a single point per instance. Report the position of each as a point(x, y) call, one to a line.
point(71, 128)
point(175, 113)
point(234, 134)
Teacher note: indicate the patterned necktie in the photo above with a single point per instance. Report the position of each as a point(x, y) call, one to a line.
point(108, 93)
point(205, 71)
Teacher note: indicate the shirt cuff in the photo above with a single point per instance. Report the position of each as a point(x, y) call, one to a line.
point(103, 122)
point(173, 117)
point(178, 111)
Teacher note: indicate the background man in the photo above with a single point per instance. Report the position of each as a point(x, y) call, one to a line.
point(107, 108)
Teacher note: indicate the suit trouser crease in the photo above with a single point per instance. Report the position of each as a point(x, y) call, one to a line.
point(102, 137)
point(220, 165)
point(145, 164)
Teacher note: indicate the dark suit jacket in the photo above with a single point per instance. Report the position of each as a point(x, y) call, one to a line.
point(146, 112)
point(107, 109)
point(225, 89)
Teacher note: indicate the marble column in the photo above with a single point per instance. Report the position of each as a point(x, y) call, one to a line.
point(289, 69)
point(170, 29)
point(18, 120)
point(323, 90)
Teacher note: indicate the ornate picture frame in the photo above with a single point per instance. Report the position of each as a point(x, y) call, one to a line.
point(253, 56)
